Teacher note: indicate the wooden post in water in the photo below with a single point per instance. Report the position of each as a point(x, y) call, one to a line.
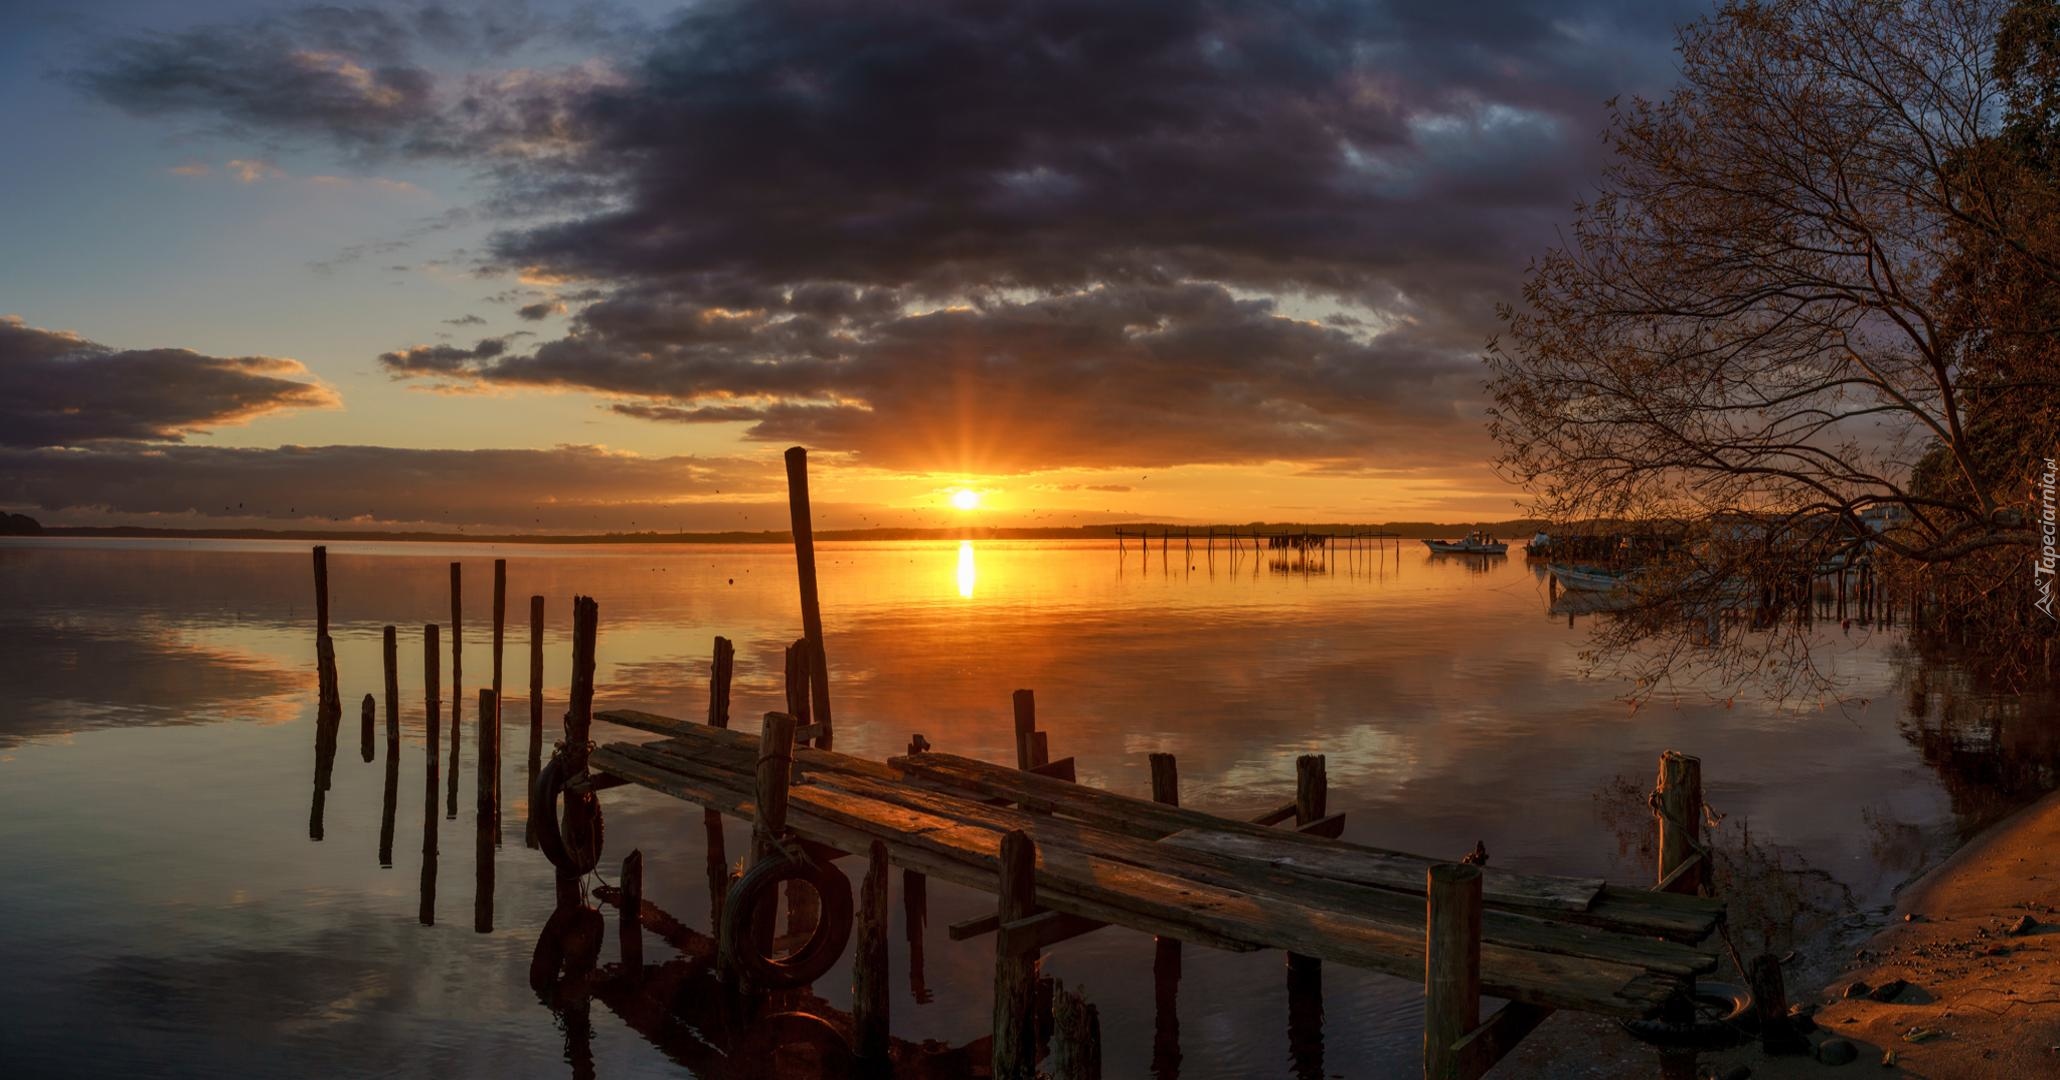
point(536, 689)
point(433, 729)
point(631, 924)
point(1025, 703)
point(366, 712)
point(450, 809)
point(719, 682)
point(321, 591)
point(1452, 965)
point(1015, 973)
point(579, 722)
point(1312, 798)
point(1770, 1002)
point(1076, 1036)
point(484, 813)
point(1679, 791)
point(804, 907)
point(1165, 779)
point(811, 610)
point(775, 773)
point(869, 978)
point(391, 654)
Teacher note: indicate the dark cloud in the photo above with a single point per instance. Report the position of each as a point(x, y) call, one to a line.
point(58, 389)
point(1008, 236)
point(441, 359)
point(541, 310)
point(565, 488)
point(465, 320)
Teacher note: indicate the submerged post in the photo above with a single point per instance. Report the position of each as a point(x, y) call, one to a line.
point(1165, 779)
point(719, 683)
point(804, 565)
point(1452, 965)
point(1015, 973)
point(1312, 789)
point(1678, 796)
point(321, 590)
point(366, 712)
point(1025, 703)
point(869, 978)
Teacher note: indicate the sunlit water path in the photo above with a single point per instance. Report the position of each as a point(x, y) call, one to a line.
point(170, 914)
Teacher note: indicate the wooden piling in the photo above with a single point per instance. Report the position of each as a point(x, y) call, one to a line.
point(1165, 779)
point(367, 711)
point(1026, 724)
point(869, 978)
point(579, 721)
point(1770, 1002)
point(1015, 973)
point(915, 916)
point(719, 682)
point(811, 609)
point(804, 907)
point(321, 591)
point(490, 719)
point(457, 690)
point(484, 814)
point(1452, 965)
point(630, 926)
point(1312, 789)
point(1076, 1036)
point(536, 687)
point(1682, 868)
point(432, 661)
point(391, 654)
point(774, 774)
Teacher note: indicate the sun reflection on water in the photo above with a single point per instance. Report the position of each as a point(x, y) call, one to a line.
point(967, 573)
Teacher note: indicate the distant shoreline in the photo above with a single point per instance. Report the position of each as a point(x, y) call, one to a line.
point(1406, 530)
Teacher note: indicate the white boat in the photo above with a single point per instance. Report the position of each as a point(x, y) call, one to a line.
point(1590, 578)
point(1539, 547)
point(1474, 544)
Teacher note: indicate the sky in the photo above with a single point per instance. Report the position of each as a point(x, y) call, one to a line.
point(593, 267)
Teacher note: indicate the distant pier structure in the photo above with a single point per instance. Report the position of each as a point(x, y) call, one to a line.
point(1298, 549)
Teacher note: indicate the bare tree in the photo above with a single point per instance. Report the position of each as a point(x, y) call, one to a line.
point(1775, 321)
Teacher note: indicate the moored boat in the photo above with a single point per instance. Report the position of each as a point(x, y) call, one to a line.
point(1590, 578)
point(1474, 543)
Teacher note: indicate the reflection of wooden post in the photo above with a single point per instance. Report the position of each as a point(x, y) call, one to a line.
point(1452, 965)
point(719, 683)
point(811, 610)
point(1015, 973)
point(321, 591)
point(869, 979)
point(631, 923)
point(1680, 823)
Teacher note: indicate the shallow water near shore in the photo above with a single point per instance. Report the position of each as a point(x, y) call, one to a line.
point(172, 912)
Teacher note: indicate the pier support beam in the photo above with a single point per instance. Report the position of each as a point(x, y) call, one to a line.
point(1678, 798)
point(1015, 973)
point(869, 978)
point(1452, 967)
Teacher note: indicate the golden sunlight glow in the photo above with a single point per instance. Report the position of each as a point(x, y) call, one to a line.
point(967, 573)
point(966, 499)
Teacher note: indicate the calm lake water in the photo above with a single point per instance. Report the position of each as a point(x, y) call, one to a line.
point(170, 912)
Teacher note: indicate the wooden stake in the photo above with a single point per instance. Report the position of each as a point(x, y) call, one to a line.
point(490, 719)
point(1165, 779)
point(450, 808)
point(579, 722)
point(1770, 1001)
point(1015, 974)
point(484, 813)
point(536, 686)
point(869, 978)
point(1026, 723)
point(719, 683)
point(367, 711)
point(811, 610)
point(321, 591)
point(631, 925)
point(1680, 823)
point(1312, 789)
point(391, 650)
point(431, 663)
point(1452, 965)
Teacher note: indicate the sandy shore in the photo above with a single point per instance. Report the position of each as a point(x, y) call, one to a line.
point(1983, 993)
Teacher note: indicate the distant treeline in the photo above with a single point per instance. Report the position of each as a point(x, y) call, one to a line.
point(1409, 529)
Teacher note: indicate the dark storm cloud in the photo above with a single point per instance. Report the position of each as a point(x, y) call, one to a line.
point(987, 235)
point(567, 487)
point(58, 389)
point(539, 311)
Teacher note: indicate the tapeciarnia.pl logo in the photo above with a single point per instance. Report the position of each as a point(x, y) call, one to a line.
point(2049, 539)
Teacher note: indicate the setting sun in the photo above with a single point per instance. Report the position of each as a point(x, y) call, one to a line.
point(966, 499)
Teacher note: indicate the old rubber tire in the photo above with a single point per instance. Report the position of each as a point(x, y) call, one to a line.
point(573, 844)
point(761, 885)
point(1721, 1010)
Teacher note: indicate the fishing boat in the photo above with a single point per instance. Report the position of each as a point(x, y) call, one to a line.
point(1475, 543)
point(1590, 578)
point(1539, 547)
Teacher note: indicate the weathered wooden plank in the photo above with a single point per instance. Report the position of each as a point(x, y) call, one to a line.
point(1381, 869)
point(1090, 884)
